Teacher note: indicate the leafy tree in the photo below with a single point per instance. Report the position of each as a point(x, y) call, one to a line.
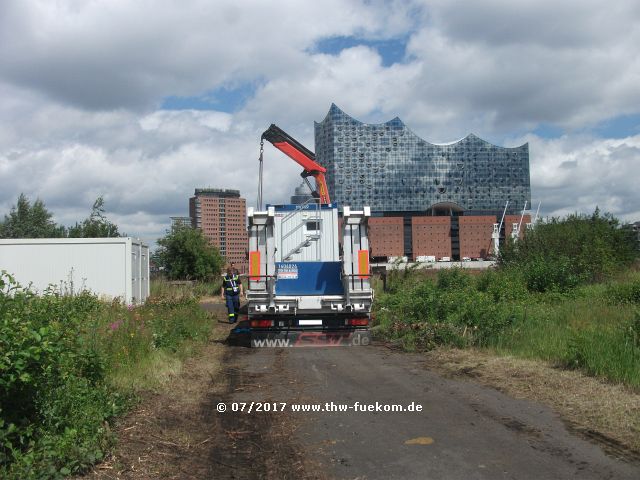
point(186, 254)
point(96, 225)
point(30, 221)
point(559, 254)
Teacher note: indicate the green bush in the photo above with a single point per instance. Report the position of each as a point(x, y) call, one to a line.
point(561, 253)
point(594, 327)
point(624, 292)
point(59, 357)
point(449, 311)
point(543, 275)
point(504, 285)
point(51, 385)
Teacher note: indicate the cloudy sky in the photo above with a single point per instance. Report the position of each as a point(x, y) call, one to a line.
point(142, 101)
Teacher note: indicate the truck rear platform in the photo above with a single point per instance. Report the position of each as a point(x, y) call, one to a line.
point(309, 277)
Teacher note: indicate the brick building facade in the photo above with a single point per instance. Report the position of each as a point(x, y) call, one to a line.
point(386, 236)
point(221, 215)
point(475, 235)
point(431, 236)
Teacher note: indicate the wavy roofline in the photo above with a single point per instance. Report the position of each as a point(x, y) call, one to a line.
point(396, 118)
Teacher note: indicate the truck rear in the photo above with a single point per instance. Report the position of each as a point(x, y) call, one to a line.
point(309, 279)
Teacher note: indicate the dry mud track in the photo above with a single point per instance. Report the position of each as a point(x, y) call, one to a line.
point(177, 432)
point(465, 430)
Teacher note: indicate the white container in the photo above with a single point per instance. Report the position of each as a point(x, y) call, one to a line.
point(306, 233)
point(108, 267)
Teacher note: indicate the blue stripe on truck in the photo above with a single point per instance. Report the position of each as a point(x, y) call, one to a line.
point(309, 278)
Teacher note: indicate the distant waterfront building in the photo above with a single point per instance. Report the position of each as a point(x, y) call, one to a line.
point(398, 174)
point(301, 194)
point(180, 222)
point(391, 169)
point(221, 215)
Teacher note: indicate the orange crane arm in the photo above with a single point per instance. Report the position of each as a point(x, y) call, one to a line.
point(302, 156)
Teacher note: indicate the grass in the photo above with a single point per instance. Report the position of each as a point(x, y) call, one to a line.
point(584, 333)
point(594, 328)
point(147, 348)
point(163, 288)
point(70, 364)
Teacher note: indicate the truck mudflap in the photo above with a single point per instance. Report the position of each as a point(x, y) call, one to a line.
point(245, 335)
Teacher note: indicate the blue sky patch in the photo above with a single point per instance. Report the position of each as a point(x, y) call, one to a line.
point(616, 127)
point(224, 99)
point(392, 50)
point(619, 127)
point(548, 131)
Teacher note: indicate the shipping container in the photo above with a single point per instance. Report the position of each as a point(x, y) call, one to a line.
point(109, 267)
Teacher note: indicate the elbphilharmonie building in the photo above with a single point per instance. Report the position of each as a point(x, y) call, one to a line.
point(391, 169)
point(427, 199)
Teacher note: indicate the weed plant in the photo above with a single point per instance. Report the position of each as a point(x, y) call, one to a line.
point(70, 364)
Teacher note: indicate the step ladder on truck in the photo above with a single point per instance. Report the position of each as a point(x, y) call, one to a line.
point(309, 280)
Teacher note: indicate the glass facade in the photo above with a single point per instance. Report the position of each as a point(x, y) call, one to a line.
point(389, 168)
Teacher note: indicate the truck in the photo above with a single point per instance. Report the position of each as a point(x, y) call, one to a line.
point(309, 279)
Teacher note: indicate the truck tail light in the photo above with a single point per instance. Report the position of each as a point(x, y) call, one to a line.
point(261, 323)
point(358, 322)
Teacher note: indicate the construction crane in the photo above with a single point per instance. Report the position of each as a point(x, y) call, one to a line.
point(302, 156)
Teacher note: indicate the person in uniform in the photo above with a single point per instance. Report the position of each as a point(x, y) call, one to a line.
point(230, 292)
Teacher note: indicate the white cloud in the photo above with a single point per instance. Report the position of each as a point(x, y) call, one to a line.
point(576, 174)
point(81, 83)
point(506, 65)
point(146, 167)
point(111, 54)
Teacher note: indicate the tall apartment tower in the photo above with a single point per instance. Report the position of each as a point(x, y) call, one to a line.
point(221, 215)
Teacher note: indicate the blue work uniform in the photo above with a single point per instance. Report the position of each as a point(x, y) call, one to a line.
point(231, 285)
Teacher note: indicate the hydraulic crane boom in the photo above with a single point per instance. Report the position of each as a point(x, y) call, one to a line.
point(302, 156)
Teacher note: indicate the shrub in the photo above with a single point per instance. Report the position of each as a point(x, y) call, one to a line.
point(503, 285)
point(450, 311)
point(53, 401)
point(60, 360)
point(561, 253)
point(624, 292)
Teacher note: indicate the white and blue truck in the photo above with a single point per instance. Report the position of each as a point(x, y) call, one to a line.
point(309, 279)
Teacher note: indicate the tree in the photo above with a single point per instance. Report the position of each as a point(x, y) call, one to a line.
point(96, 225)
point(30, 221)
point(186, 254)
point(562, 253)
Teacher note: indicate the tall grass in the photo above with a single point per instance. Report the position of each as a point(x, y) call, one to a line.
point(168, 289)
point(70, 364)
point(568, 292)
point(595, 328)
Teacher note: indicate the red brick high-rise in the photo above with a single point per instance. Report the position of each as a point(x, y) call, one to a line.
point(221, 215)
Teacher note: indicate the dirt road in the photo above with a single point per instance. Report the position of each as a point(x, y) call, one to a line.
point(463, 431)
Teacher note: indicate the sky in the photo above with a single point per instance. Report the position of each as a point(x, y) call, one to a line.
point(143, 101)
